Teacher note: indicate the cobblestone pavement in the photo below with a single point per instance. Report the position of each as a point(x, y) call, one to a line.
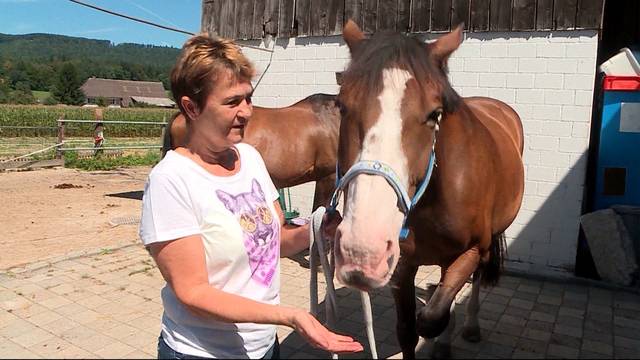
point(107, 305)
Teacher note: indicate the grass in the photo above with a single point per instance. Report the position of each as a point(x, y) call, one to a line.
point(40, 95)
point(106, 251)
point(12, 147)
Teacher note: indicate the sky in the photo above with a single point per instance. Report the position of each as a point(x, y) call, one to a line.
point(67, 18)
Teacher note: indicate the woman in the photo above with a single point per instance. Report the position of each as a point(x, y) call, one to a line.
point(210, 221)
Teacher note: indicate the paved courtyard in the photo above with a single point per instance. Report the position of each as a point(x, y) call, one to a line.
point(107, 305)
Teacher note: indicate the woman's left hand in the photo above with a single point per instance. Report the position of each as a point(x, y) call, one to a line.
point(322, 338)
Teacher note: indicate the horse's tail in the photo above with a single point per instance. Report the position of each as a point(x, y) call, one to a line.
point(166, 139)
point(493, 268)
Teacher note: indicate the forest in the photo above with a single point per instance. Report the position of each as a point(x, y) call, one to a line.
point(40, 62)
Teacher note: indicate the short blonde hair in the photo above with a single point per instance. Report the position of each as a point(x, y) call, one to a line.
point(202, 62)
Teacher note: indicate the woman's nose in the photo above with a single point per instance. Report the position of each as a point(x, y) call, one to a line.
point(246, 109)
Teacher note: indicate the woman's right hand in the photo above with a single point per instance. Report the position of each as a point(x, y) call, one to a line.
point(320, 337)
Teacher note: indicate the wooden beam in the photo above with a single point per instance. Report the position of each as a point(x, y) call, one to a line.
point(523, 15)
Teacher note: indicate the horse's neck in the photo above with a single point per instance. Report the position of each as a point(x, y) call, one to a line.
point(460, 128)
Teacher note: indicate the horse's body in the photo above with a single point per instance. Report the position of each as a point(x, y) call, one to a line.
point(298, 143)
point(473, 196)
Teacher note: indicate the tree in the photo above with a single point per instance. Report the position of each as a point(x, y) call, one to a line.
point(101, 101)
point(22, 94)
point(5, 90)
point(49, 100)
point(67, 87)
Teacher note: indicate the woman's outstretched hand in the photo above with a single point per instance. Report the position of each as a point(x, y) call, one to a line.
point(320, 337)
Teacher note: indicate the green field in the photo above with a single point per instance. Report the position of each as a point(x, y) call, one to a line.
point(28, 128)
point(40, 120)
point(41, 95)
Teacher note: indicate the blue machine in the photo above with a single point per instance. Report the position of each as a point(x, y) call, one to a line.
point(618, 162)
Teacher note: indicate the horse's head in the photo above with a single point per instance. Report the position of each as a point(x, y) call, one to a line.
point(393, 96)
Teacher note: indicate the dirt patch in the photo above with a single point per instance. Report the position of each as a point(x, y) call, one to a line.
point(67, 186)
point(40, 222)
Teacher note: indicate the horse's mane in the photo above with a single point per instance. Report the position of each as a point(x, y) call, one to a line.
point(389, 49)
point(316, 99)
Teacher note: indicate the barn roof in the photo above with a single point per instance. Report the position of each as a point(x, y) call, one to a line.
point(108, 88)
point(164, 102)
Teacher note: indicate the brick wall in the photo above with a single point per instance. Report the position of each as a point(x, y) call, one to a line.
point(547, 77)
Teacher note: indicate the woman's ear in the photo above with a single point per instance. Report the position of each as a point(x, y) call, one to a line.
point(190, 107)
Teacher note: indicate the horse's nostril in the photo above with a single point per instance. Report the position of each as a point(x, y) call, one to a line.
point(389, 245)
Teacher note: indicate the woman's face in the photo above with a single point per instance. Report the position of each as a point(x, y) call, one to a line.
point(225, 113)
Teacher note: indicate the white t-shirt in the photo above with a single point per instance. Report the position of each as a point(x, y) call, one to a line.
point(240, 230)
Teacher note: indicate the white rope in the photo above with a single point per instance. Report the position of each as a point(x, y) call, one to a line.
point(368, 321)
point(32, 153)
point(317, 247)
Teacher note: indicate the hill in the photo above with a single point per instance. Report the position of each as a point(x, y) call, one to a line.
point(35, 59)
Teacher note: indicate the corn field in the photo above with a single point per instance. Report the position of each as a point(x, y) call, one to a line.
point(41, 121)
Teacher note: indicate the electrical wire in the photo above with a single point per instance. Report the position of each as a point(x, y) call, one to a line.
point(151, 23)
point(131, 17)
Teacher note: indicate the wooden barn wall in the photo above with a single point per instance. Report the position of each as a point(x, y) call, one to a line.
point(253, 19)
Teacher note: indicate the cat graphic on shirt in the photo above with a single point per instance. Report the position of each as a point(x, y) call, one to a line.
point(260, 230)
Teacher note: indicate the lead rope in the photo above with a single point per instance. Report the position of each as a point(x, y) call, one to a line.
point(317, 246)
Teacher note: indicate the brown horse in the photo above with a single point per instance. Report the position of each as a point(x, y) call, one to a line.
point(399, 114)
point(298, 143)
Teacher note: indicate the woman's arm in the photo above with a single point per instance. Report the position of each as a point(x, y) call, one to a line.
point(293, 239)
point(182, 264)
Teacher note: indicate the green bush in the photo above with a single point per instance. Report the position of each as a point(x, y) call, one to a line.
point(71, 160)
point(49, 100)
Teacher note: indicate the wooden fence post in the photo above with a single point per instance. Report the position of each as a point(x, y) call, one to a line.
point(59, 152)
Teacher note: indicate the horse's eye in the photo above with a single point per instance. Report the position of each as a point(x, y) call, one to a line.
point(434, 117)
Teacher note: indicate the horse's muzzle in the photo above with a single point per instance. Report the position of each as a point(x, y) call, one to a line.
point(364, 277)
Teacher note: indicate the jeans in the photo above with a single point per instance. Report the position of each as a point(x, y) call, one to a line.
point(166, 352)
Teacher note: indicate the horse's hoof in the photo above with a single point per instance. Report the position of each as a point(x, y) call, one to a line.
point(471, 334)
point(429, 325)
point(441, 351)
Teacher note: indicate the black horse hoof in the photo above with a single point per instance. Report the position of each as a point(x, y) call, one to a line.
point(441, 351)
point(429, 325)
point(471, 334)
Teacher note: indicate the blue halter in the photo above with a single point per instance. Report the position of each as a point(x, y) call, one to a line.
point(374, 167)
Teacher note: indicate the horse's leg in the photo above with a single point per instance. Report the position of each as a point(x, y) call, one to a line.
point(442, 344)
point(471, 329)
point(404, 294)
point(434, 318)
point(324, 190)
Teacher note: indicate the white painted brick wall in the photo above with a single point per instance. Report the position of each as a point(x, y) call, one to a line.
point(547, 77)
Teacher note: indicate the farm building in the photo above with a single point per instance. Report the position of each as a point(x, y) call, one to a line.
point(125, 92)
point(539, 56)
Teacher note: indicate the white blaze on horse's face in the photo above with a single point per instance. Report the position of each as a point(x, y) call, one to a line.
point(367, 239)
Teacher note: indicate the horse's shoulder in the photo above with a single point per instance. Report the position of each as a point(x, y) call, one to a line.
point(488, 104)
point(500, 119)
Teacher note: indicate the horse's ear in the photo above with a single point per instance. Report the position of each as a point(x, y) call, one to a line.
point(352, 34)
point(442, 48)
